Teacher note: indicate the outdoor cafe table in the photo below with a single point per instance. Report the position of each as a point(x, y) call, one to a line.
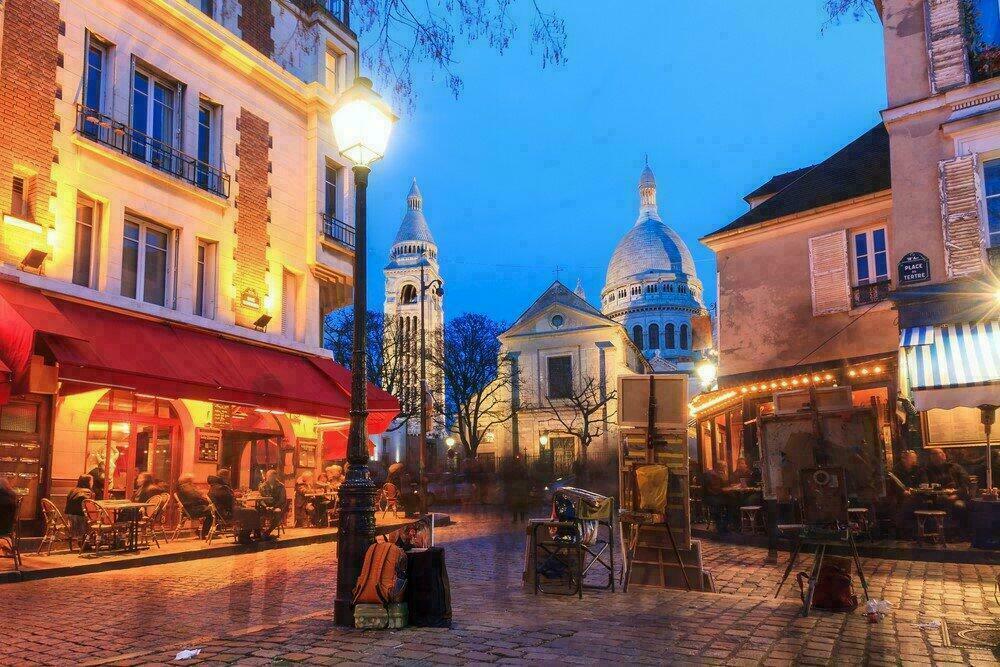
point(116, 507)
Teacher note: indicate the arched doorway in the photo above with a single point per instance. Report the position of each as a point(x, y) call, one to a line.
point(252, 445)
point(129, 434)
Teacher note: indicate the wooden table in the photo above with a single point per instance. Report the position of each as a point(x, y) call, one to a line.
point(116, 507)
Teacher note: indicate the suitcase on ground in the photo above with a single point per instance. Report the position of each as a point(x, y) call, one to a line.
point(380, 617)
point(428, 593)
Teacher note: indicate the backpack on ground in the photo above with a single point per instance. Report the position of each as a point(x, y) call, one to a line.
point(383, 575)
point(834, 589)
point(428, 592)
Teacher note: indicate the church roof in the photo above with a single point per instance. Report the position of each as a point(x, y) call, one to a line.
point(557, 293)
point(414, 226)
point(649, 246)
point(859, 168)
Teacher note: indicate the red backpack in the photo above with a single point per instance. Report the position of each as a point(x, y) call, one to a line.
point(834, 588)
point(383, 575)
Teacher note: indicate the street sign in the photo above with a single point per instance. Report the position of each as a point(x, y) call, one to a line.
point(914, 267)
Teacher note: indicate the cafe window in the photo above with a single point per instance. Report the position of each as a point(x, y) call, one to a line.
point(871, 259)
point(129, 434)
point(146, 261)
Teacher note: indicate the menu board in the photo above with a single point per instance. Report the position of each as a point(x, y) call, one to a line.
point(209, 442)
point(958, 426)
point(307, 452)
point(222, 414)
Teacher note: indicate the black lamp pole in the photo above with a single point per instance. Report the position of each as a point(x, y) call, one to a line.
point(357, 494)
point(423, 385)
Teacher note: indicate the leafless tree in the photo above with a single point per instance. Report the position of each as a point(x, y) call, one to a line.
point(391, 359)
point(854, 10)
point(583, 412)
point(477, 381)
point(398, 34)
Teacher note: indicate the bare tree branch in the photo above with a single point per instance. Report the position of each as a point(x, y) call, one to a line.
point(581, 413)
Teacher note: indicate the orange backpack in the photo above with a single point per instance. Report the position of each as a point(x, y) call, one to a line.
point(383, 575)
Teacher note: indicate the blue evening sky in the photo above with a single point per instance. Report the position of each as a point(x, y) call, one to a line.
point(532, 168)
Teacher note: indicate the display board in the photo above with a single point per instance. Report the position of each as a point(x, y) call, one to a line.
point(209, 443)
point(958, 426)
point(850, 439)
point(670, 394)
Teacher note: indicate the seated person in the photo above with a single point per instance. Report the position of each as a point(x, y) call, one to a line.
point(74, 504)
point(148, 487)
point(907, 469)
point(743, 473)
point(273, 499)
point(8, 507)
point(713, 482)
point(939, 470)
point(221, 495)
point(303, 499)
point(195, 502)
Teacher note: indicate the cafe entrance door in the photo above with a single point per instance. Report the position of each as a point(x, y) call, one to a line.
point(251, 447)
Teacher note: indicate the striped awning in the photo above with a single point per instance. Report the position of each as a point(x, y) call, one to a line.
point(951, 357)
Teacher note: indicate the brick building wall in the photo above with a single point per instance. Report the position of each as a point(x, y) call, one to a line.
point(29, 55)
point(255, 23)
point(252, 217)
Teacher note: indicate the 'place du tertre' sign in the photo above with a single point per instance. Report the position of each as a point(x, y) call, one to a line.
point(914, 267)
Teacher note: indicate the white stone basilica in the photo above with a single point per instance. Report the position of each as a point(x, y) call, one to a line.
point(652, 288)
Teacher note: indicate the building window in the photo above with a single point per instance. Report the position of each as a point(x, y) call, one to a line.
point(637, 336)
point(991, 171)
point(654, 336)
point(145, 261)
point(408, 295)
point(560, 376)
point(684, 336)
point(557, 321)
point(208, 146)
point(204, 291)
point(871, 263)
point(85, 241)
point(94, 80)
point(983, 37)
point(333, 60)
point(332, 179)
point(154, 102)
point(20, 206)
point(206, 6)
point(671, 340)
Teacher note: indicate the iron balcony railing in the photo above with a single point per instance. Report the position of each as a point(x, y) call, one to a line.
point(146, 149)
point(865, 295)
point(338, 231)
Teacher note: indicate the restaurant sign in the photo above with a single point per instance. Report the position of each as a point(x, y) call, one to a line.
point(914, 267)
point(250, 299)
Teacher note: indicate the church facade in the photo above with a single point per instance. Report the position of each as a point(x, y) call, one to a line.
point(411, 276)
point(562, 343)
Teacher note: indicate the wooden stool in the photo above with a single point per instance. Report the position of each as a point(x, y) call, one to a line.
point(936, 534)
point(859, 517)
point(752, 518)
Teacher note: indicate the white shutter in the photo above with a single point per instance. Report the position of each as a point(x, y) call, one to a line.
point(960, 215)
point(831, 292)
point(948, 62)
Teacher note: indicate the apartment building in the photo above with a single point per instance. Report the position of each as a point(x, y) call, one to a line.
point(177, 220)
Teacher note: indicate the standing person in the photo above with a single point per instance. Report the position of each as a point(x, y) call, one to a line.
point(195, 502)
point(273, 499)
point(713, 483)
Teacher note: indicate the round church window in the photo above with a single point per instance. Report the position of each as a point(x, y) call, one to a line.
point(557, 321)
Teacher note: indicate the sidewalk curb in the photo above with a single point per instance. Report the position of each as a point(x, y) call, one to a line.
point(110, 563)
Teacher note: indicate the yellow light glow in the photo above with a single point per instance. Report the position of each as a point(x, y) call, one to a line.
point(774, 385)
point(23, 224)
point(852, 373)
point(864, 371)
point(362, 123)
point(543, 440)
point(743, 390)
point(877, 369)
point(753, 387)
point(50, 236)
point(805, 380)
point(784, 383)
point(707, 371)
point(826, 377)
point(450, 441)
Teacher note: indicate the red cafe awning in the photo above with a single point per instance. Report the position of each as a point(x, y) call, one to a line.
point(162, 358)
point(5, 381)
point(335, 445)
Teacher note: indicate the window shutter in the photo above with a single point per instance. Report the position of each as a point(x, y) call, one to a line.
point(828, 268)
point(947, 57)
point(960, 215)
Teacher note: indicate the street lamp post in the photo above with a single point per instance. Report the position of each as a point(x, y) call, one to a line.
point(438, 290)
point(361, 126)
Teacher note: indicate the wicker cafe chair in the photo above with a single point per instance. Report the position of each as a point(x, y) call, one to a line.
point(219, 524)
point(10, 541)
point(184, 518)
point(57, 529)
point(101, 527)
point(152, 521)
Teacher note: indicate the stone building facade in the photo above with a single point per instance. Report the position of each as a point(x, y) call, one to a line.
point(171, 163)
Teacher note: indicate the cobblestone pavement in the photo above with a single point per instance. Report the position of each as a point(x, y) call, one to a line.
point(272, 607)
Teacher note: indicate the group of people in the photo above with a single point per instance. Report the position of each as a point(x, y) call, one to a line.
point(314, 498)
point(949, 481)
point(723, 494)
